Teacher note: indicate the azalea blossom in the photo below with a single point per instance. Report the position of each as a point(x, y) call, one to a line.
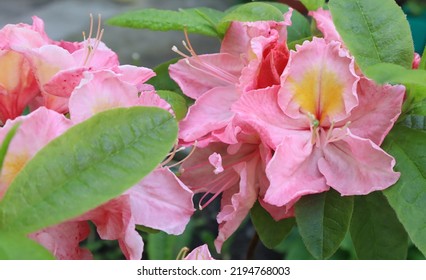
point(200, 253)
point(325, 124)
point(252, 56)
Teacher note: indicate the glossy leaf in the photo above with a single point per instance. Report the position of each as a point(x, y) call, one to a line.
point(416, 122)
point(162, 80)
point(376, 232)
point(270, 232)
point(88, 165)
point(323, 220)
point(313, 5)
point(249, 12)
point(374, 31)
point(200, 20)
point(396, 74)
point(177, 102)
point(19, 247)
point(408, 196)
point(6, 141)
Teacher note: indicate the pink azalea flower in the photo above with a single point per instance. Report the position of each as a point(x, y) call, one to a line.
point(325, 124)
point(252, 56)
point(200, 253)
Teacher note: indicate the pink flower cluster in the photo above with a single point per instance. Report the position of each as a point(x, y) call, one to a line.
point(55, 78)
point(272, 124)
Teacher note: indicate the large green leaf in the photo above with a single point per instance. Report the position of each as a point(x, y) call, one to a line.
point(408, 196)
point(177, 102)
point(396, 74)
point(270, 232)
point(6, 141)
point(249, 12)
point(19, 247)
point(162, 80)
point(376, 231)
point(323, 220)
point(374, 31)
point(88, 165)
point(313, 5)
point(416, 122)
point(199, 20)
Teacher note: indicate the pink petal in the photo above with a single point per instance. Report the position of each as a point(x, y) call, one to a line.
point(63, 240)
point(200, 253)
point(133, 75)
point(357, 166)
point(268, 119)
point(293, 171)
point(325, 25)
point(197, 75)
point(379, 108)
point(161, 201)
point(151, 99)
point(319, 82)
point(211, 112)
point(100, 91)
point(237, 201)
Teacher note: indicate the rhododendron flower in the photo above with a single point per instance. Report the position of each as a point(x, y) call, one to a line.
point(252, 56)
point(325, 124)
point(200, 253)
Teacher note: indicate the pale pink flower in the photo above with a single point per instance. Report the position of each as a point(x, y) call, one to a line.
point(200, 253)
point(325, 124)
point(252, 56)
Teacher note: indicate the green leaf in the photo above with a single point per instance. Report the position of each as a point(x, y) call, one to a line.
point(18, 247)
point(374, 31)
point(249, 12)
point(5, 145)
point(376, 232)
point(162, 80)
point(408, 196)
point(177, 102)
point(313, 5)
point(88, 165)
point(270, 232)
point(299, 29)
point(416, 122)
point(323, 220)
point(201, 20)
point(422, 64)
point(147, 229)
point(396, 74)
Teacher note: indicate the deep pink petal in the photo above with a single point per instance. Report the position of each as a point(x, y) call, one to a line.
point(161, 201)
point(378, 110)
point(357, 166)
point(211, 112)
point(293, 171)
point(197, 75)
point(63, 240)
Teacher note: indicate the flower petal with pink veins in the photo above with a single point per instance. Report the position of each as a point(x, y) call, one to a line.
point(319, 82)
point(293, 171)
point(325, 25)
point(237, 201)
point(200, 253)
point(268, 119)
point(161, 201)
point(379, 108)
point(212, 111)
point(36, 131)
point(63, 240)
point(197, 75)
point(357, 166)
point(100, 91)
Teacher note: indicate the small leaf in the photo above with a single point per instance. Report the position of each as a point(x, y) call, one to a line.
point(396, 74)
point(89, 164)
point(147, 229)
point(323, 220)
point(177, 102)
point(313, 5)
point(408, 196)
point(270, 232)
point(249, 12)
point(374, 31)
point(5, 145)
point(18, 247)
point(376, 232)
point(200, 21)
point(162, 80)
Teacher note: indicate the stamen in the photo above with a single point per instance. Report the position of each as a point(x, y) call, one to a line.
point(91, 49)
point(217, 186)
point(182, 253)
point(331, 138)
point(188, 156)
point(176, 50)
